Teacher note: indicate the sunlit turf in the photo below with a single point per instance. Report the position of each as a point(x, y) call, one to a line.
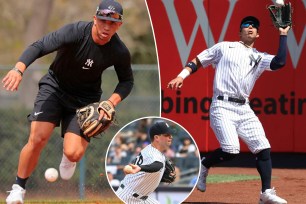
point(224, 178)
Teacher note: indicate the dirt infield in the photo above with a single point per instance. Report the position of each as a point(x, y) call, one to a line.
point(290, 184)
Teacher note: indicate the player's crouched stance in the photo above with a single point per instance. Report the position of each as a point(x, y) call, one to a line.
point(148, 169)
point(230, 113)
point(73, 81)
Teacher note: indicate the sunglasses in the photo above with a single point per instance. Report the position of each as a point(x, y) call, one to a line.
point(246, 25)
point(109, 14)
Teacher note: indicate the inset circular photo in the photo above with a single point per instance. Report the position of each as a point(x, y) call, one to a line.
point(152, 160)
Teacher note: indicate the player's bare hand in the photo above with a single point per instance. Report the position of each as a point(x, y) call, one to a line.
point(284, 31)
point(11, 81)
point(176, 83)
point(135, 169)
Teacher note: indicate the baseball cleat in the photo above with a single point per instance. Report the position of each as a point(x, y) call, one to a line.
point(16, 195)
point(66, 168)
point(270, 197)
point(201, 185)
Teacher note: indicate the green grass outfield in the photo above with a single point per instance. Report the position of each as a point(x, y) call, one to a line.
point(226, 178)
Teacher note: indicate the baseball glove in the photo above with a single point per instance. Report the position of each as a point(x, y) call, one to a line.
point(88, 118)
point(169, 173)
point(281, 15)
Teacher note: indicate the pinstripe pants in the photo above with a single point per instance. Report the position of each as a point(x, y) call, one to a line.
point(231, 121)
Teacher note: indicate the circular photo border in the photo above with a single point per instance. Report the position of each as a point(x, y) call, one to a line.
point(136, 157)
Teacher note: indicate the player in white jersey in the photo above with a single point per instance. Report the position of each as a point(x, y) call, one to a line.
point(148, 168)
point(237, 66)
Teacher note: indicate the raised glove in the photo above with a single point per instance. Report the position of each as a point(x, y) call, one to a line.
point(169, 173)
point(88, 118)
point(281, 15)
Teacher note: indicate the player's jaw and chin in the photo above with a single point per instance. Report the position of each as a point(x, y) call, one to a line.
point(249, 33)
point(167, 143)
point(104, 36)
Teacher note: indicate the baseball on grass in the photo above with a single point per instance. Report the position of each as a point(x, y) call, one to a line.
point(127, 169)
point(51, 174)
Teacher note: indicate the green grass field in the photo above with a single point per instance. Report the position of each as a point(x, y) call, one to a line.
point(225, 178)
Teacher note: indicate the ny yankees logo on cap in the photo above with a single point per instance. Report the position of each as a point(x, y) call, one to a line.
point(110, 10)
point(160, 128)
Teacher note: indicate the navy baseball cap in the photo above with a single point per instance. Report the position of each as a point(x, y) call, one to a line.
point(249, 20)
point(160, 128)
point(110, 10)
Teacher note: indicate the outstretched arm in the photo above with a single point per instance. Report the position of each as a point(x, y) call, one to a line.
point(280, 59)
point(43, 46)
point(13, 78)
point(150, 168)
point(190, 68)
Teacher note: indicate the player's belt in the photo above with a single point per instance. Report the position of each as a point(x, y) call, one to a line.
point(135, 194)
point(142, 197)
point(236, 100)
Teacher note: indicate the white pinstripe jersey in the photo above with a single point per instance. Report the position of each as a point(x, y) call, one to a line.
point(144, 183)
point(237, 67)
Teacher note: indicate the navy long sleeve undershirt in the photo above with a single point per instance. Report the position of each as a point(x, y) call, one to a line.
point(154, 167)
point(280, 59)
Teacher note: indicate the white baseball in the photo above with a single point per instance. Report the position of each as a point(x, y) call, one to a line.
point(127, 169)
point(51, 174)
point(279, 2)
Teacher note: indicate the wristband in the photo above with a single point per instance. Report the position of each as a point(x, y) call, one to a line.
point(192, 66)
point(184, 73)
point(17, 70)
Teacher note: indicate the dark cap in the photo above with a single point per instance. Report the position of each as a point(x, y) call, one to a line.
point(160, 128)
point(250, 19)
point(110, 10)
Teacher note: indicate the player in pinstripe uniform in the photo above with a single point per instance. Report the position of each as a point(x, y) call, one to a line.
point(148, 167)
point(238, 65)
